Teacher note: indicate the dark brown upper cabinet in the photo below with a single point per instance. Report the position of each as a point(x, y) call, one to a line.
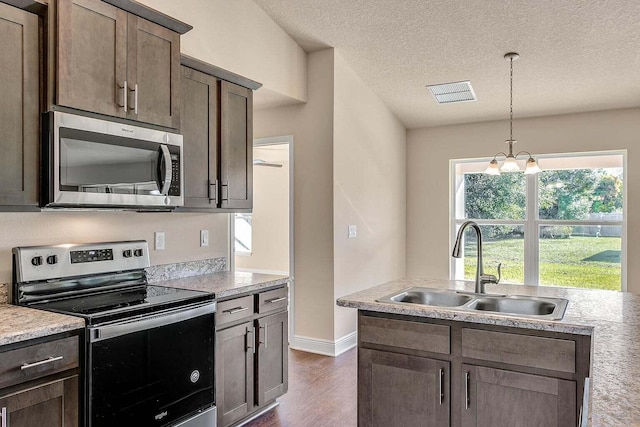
point(19, 108)
point(112, 62)
point(217, 124)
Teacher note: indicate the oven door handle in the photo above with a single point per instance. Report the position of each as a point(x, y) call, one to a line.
point(164, 169)
point(100, 333)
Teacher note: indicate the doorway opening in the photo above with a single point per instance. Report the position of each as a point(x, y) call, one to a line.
point(262, 241)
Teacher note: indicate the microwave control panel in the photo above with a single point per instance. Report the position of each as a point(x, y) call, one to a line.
point(174, 188)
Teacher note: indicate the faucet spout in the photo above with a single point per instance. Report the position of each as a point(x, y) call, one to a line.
point(481, 278)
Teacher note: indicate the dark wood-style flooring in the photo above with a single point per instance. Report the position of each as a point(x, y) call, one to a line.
point(322, 392)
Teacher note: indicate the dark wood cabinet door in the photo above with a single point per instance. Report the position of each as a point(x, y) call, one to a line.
point(401, 390)
point(53, 404)
point(235, 349)
point(498, 398)
point(200, 138)
point(236, 146)
point(92, 56)
point(153, 70)
point(19, 107)
point(272, 377)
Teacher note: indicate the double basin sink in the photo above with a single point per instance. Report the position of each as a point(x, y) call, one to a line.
point(518, 306)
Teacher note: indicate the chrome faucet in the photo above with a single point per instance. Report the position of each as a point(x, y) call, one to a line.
point(481, 278)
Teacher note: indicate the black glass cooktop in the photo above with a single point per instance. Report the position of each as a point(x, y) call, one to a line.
point(111, 305)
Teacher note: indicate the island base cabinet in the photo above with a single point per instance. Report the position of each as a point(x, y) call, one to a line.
point(498, 398)
point(402, 390)
point(53, 404)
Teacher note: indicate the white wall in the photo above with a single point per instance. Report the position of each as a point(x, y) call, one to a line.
point(311, 125)
point(240, 37)
point(369, 177)
point(270, 216)
point(429, 151)
point(349, 169)
point(182, 233)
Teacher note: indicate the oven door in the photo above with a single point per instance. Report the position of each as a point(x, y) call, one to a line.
point(151, 371)
point(98, 163)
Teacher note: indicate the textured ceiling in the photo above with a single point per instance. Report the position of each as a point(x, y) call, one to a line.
point(575, 55)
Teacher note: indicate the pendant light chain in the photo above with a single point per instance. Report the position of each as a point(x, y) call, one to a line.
point(510, 159)
point(511, 101)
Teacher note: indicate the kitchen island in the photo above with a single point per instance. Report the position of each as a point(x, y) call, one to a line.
point(610, 319)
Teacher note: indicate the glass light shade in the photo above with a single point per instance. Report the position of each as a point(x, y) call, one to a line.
point(532, 167)
point(510, 165)
point(492, 168)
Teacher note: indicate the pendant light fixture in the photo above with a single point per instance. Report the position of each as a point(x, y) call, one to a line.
point(510, 164)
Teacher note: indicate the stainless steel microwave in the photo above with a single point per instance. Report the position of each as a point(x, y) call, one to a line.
point(94, 163)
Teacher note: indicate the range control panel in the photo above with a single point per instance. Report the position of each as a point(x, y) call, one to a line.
point(35, 263)
point(91, 255)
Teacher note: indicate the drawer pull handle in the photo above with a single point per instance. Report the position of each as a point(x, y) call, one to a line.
point(235, 310)
point(274, 300)
point(40, 363)
point(467, 385)
point(3, 414)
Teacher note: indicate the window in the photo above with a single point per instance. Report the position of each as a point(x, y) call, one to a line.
point(561, 227)
point(242, 233)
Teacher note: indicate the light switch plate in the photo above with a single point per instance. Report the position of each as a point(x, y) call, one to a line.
point(352, 231)
point(204, 238)
point(159, 240)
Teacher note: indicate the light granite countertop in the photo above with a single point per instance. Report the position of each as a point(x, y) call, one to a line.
point(226, 284)
point(611, 318)
point(21, 324)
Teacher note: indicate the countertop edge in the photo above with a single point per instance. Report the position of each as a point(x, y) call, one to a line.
point(469, 317)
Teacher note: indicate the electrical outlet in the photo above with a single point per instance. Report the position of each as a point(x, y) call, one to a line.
point(204, 238)
point(159, 237)
point(352, 231)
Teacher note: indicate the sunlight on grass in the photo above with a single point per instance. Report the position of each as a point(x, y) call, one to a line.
point(584, 262)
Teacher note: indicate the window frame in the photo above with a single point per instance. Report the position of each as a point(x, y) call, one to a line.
point(532, 223)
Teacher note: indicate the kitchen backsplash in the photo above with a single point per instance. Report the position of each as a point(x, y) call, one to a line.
point(157, 273)
point(4, 296)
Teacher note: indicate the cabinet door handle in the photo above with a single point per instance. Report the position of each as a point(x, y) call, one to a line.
point(213, 192)
point(265, 335)
point(123, 104)
point(274, 300)
point(135, 98)
point(3, 414)
point(250, 344)
point(40, 363)
point(467, 385)
point(225, 191)
point(235, 310)
point(441, 385)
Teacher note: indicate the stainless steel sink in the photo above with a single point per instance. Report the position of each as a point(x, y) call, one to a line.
point(552, 308)
point(426, 296)
point(519, 306)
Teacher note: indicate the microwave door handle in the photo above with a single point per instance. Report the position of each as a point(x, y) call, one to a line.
point(164, 170)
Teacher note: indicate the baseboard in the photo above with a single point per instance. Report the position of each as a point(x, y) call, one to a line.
point(325, 347)
point(253, 270)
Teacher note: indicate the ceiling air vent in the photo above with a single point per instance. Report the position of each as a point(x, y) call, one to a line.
point(449, 93)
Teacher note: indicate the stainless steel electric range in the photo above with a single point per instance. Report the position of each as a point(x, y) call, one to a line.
point(148, 349)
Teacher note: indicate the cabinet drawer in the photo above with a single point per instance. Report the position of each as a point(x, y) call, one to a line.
point(273, 300)
point(524, 350)
point(28, 363)
point(234, 309)
point(405, 334)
